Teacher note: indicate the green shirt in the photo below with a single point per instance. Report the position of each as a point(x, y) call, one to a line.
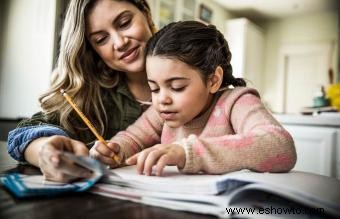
point(121, 108)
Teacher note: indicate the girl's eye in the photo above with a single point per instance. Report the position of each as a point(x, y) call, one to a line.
point(154, 90)
point(178, 89)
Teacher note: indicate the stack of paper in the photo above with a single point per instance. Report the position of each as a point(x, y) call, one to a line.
point(243, 192)
point(293, 194)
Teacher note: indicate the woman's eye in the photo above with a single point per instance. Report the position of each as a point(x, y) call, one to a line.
point(100, 40)
point(125, 23)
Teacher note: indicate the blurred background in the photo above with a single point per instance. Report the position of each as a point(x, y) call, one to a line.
point(288, 50)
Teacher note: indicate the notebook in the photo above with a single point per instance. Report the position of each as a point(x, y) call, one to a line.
point(222, 195)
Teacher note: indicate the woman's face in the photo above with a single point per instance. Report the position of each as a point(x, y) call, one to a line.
point(118, 32)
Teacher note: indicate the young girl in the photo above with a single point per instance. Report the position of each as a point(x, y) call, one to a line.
point(202, 119)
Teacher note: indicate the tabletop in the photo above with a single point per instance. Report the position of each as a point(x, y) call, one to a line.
point(74, 205)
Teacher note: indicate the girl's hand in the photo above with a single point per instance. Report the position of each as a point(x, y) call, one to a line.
point(52, 164)
point(159, 155)
point(105, 153)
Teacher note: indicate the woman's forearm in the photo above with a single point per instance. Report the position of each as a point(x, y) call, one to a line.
point(32, 151)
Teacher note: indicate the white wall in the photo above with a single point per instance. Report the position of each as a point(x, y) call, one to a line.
point(316, 28)
point(26, 55)
point(219, 16)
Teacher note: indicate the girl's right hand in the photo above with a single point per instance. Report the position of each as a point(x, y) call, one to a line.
point(105, 153)
point(53, 165)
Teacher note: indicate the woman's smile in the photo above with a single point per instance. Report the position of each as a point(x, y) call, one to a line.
point(130, 55)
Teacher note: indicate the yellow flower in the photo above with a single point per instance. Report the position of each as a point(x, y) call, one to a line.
point(333, 93)
point(333, 90)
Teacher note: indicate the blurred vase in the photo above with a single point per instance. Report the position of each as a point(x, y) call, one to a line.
point(320, 99)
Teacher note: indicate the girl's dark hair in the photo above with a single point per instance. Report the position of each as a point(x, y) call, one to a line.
point(196, 44)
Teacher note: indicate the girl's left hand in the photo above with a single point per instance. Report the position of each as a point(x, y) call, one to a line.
point(159, 155)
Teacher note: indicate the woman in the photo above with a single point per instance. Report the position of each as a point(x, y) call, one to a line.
point(101, 65)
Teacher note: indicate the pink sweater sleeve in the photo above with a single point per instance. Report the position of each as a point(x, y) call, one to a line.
point(145, 132)
point(258, 141)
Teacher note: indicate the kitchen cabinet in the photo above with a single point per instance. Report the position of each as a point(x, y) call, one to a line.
point(317, 142)
point(246, 42)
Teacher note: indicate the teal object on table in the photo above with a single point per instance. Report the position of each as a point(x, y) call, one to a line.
point(320, 101)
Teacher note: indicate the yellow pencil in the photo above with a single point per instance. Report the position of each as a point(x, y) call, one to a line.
point(86, 121)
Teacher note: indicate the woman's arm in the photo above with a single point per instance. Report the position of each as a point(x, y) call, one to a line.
point(33, 149)
point(41, 144)
point(20, 138)
point(28, 130)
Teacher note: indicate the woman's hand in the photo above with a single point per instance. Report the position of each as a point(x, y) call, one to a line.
point(106, 153)
point(51, 162)
point(159, 155)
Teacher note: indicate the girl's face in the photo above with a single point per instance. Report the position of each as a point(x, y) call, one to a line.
point(118, 32)
point(178, 91)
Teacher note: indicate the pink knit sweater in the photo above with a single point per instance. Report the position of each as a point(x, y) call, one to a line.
point(235, 133)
